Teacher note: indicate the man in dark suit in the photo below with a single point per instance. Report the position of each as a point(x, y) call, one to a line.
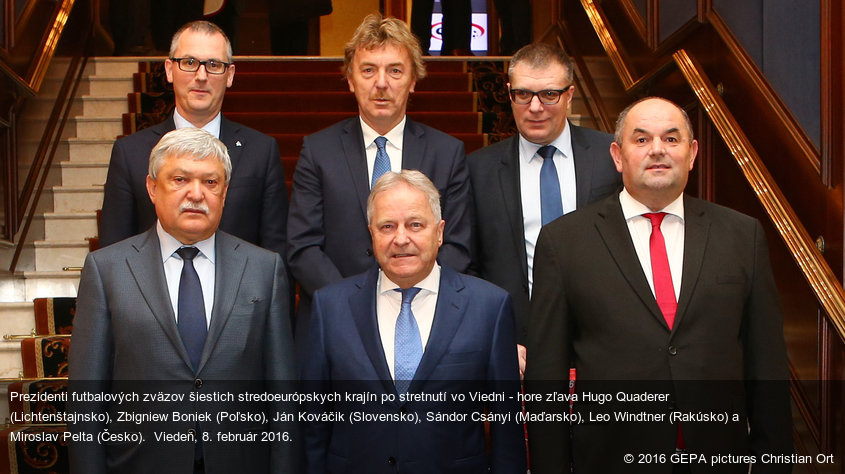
point(200, 68)
point(507, 177)
point(454, 335)
point(190, 311)
point(669, 301)
point(327, 226)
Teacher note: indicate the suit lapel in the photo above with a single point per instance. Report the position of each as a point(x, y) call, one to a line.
point(583, 166)
point(696, 234)
point(229, 269)
point(352, 140)
point(448, 315)
point(162, 128)
point(413, 146)
point(230, 136)
point(614, 232)
point(510, 186)
point(362, 304)
point(148, 271)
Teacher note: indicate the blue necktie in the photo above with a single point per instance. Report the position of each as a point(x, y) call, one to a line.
point(382, 164)
point(407, 346)
point(191, 307)
point(551, 205)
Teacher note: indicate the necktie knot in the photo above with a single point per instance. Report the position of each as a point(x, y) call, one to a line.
point(656, 218)
point(409, 294)
point(547, 152)
point(188, 253)
point(380, 142)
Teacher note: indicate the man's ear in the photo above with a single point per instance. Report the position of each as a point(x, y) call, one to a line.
point(616, 153)
point(168, 70)
point(231, 79)
point(151, 189)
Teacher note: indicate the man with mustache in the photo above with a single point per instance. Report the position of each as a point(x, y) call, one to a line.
point(190, 311)
point(327, 226)
point(200, 69)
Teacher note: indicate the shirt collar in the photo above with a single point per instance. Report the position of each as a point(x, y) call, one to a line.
point(563, 143)
point(430, 283)
point(212, 127)
point(395, 136)
point(169, 244)
point(633, 208)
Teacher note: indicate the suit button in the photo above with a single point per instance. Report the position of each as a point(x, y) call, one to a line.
point(192, 432)
point(369, 252)
point(673, 350)
point(391, 461)
point(198, 383)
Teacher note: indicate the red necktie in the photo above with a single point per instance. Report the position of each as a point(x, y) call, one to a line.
point(664, 290)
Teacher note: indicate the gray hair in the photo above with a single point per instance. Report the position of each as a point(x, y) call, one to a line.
point(377, 31)
point(541, 55)
point(194, 142)
point(412, 178)
point(620, 121)
point(201, 26)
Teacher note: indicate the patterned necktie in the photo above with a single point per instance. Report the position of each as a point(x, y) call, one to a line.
point(407, 345)
point(551, 204)
point(191, 307)
point(382, 164)
point(664, 290)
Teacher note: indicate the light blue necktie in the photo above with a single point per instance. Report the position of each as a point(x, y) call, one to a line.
point(382, 164)
point(191, 307)
point(407, 345)
point(551, 205)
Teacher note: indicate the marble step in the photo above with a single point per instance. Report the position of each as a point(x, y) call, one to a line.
point(102, 128)
point(77, 198)
point(56, 255)
point(104, 106)
point(84, 150)
point(110, 85)
point(69, 225)
point(115, 66)
point(26, 285)
point(83, 174)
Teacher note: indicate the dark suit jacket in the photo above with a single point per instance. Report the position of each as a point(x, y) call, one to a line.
point(499, 234)
point(126, 340)
point(328, 237)
point(470, 349)
point(592, 308)
point(256, 203)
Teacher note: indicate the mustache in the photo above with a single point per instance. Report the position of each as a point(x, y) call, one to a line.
point(193, 206)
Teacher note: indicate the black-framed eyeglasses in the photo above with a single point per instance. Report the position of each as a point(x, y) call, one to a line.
point(212, 66)
point(546, 96)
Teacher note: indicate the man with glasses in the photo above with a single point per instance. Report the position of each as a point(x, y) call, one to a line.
point(550, 168)
point(200, 69)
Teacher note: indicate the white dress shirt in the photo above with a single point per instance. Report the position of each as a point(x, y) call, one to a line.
point(393, 147)
point(672, 229)
point(212, 127)
point(203, 264)
point(530, 164)
point(389, 303)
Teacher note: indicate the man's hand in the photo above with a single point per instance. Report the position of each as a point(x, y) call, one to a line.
point(521, 353)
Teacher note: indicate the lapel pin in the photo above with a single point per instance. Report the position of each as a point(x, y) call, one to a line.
point(255, 299)
point(238, 143)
